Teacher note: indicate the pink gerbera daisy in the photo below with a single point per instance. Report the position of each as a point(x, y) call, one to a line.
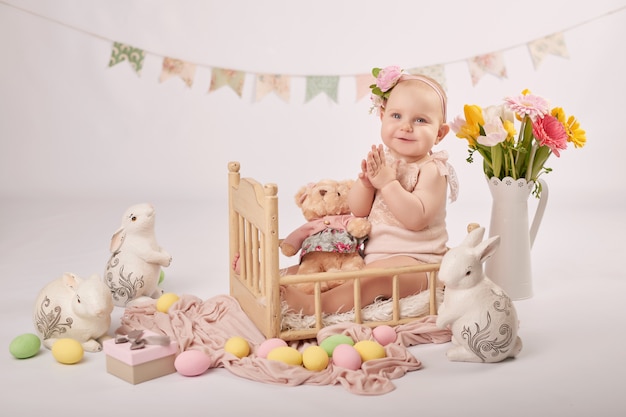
point(551, 133)
point(527, 104)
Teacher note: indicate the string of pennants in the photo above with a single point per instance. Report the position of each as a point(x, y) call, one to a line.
point(280, 84)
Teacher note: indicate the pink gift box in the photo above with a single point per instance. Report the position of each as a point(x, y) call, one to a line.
point(140, 365)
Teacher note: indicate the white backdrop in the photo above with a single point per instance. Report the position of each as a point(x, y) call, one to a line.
point(80, 141)
point(72, 125)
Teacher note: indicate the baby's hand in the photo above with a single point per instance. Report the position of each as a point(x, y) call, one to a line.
point(378, 172)
point(363, 175)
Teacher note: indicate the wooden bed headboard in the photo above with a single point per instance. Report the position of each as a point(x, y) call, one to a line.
point(253, 234)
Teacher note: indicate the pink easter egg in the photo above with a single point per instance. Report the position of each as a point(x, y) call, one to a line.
point(192, 362)
point(346, 356)
point(268, 345)
point(384, 334)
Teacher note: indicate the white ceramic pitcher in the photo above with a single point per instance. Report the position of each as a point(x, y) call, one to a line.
point(510, 265)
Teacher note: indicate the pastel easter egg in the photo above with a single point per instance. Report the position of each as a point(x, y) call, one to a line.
point(192, 362)
point(266, 346)
point(370, 349)
point(67, 351)
point(286, 354)
point(238, 346)
point(314, 358)
point(346, 356)
point(384, 334)
point(25, 346)
point(331, 342)
point(165, 301)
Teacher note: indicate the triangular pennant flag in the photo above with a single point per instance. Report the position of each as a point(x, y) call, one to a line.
point(232, 78)
point(177, 68)
point(316, 84)
point(363, 82)
point(492, 63)
point(122, 52)
point(553, 44)
point(266, 83)
point(436, 72)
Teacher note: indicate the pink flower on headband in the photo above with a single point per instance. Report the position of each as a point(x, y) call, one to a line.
point(388, 77)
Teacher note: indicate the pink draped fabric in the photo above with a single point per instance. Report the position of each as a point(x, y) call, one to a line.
point(207, 325)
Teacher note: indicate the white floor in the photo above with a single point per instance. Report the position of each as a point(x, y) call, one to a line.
point(573, 362)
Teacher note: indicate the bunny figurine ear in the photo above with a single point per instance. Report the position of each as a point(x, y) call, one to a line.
point(474, 237)
point(117, 239)
point(70, 280)
point(487, 248)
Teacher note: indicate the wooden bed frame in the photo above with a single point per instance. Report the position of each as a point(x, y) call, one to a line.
point(254, 237)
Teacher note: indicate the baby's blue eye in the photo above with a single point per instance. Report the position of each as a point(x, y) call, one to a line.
point(395, 116)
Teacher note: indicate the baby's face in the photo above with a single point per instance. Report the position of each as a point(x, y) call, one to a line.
point(412, 120)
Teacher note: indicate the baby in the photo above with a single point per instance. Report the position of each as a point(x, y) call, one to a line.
point(402, 189)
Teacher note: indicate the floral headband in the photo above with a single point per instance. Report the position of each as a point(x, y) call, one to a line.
point(388, 77)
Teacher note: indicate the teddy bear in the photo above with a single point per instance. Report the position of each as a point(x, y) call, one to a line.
point(330, 240)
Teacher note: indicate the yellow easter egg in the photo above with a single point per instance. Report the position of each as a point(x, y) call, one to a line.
point(165, 302)
point(315, 358)
point(286, 354)
point(369, 349)
point(238, 346)
point(67, 351)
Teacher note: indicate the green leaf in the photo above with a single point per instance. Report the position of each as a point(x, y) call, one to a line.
point(375, 72)
point(487, 169)
point(496, 160)
point(486, 154)
point(523, 147)
point(377, 91)
point(541, 156)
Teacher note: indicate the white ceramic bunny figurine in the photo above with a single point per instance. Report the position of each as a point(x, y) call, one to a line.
point(134, 268)
point(480, 314)
point(71, 307)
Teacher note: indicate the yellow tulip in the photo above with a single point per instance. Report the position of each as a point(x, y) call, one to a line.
point(474, 115)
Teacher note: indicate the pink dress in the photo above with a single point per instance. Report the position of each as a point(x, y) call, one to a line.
point(390, 238)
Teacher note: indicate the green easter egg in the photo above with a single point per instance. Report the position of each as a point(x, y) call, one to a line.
point(25, 345)
point(161, 276)
point(331, 342)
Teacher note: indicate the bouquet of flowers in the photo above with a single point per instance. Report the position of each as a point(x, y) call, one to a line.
point(506, 153)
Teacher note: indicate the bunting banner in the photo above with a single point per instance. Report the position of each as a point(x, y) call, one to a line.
point(363, 82)
point(316, 84)
point(436, 72)
point(492, 63)
point(122, 52)
point(221, 77)
point(176, 68)
point(276, 83)
point(553, 45)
